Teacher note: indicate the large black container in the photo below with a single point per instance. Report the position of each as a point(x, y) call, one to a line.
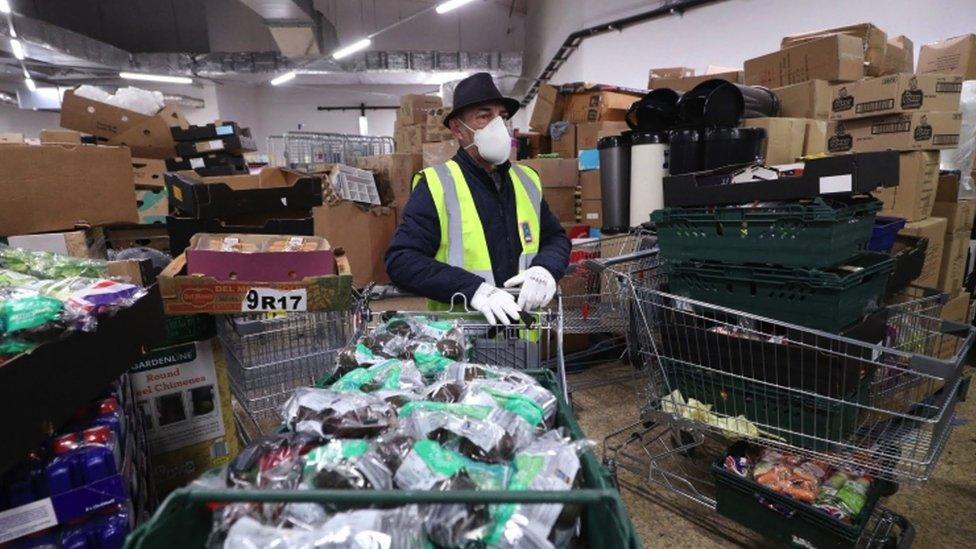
point(722, 103)
point(656, 111)
point(728, 146)
point(615, 182)
point(686, 153)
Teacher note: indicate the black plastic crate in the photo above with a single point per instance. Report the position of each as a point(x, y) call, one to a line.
point(782, 518)
point(231, 143)
point(209, 131)
point(844, 174)
point(909, 254)
point(207, 200)
point(181, 229)
point(823, 299)
point(212, 160)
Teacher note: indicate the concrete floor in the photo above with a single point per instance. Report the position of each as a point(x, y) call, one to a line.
point(942, 510)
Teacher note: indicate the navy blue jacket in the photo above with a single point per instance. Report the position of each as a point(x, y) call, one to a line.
point(410, 258)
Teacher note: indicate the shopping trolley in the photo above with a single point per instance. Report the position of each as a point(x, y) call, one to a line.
point(879, 396)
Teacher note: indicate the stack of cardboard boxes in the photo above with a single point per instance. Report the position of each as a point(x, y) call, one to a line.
point(419, 129)
point(570, 119)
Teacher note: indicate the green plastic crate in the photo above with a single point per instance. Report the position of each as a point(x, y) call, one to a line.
point(814, 423)
point(822, 299)
point(818, 233)
point(184, 519)
point(782, 518)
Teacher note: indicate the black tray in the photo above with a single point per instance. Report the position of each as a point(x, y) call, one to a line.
point(45, 387)
point(217, 200)
point(209, 131)
point(844, 174)
point(181, 229)
point(209, 160)
point(231, 143)
point(909, 254)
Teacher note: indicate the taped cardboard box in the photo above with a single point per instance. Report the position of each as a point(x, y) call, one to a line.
point(591, 212)
point(555, 172)
point(534, 144)
point(57, 187)
point(897, 93)
point(933, 229)
point(899, 56)
point(562, 202)
point(147, 173)
point(915, 195)
point(147, 136)
point(88, 243)
point(784, 138)
point(952, 271)
point(590, 185)
point(685, 83)
point(899, 132)
point(837, 58)
point(414, 107)
point(874, 41)
point(183, 395)
point(815, 138)
point(948, 187)
point(549, 107)
point(951, 56)
point(959, 215)
point(588, 133)
point(810, 99)
point(409, 140)
point(438, 153)
point(361, 234)
point(598, 105)
point(565, 144)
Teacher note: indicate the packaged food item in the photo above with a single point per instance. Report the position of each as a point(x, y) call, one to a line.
point(272, 461)
point(346, 464)
point(531, 402)
point(354, 356)
point(463, 372)
point(390, 375)
point(430, 464)
point(329, 413)
point(49, 265)
point(484, 433)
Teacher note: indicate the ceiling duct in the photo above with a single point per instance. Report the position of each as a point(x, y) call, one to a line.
point(297, 28)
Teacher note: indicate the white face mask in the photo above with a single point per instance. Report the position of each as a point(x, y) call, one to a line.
point(493, 141)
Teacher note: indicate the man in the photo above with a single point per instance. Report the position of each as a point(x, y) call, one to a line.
point(477, 222)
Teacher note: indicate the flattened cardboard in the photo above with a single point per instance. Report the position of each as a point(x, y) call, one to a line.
point(549, 108)
point(362, 235)
point(555, 172)
point(810, 99)
point(873, 39)
point(147, 173)
point(897, 93)
point(899, 132)
point(58, 187)
point(933, 229)
point(836, 58)
point(784, 138)
point(951, 56)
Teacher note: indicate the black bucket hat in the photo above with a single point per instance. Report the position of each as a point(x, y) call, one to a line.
point(477, 89)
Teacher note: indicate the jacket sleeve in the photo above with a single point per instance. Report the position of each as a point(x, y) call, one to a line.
point(410, 258)
point(554, 247)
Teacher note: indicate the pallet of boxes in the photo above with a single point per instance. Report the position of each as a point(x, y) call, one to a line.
point(419, 129)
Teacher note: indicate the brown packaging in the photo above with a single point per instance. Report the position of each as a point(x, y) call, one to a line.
point(810, 99)
point(784, 138)
point(555, 172)
point(685, 83)
point(953, 268)
point(933, 229)
point(549, 106)
point(414, 107)
point(899, 56)
point(951, 56)
point(835, 58)
point(438, 153)
point(362, 234)
point(594, 106)
point(590, 185)
point(393, 171)
point(895, 93)
point(914, 197)
point(899, 132)
point(562, 202)
point(565, 146)
point(591, 212)
point(874, 42)
point(588, 133)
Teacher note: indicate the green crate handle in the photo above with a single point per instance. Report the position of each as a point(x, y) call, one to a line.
point(402, 497)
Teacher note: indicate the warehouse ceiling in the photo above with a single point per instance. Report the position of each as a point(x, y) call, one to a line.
point(250, 41)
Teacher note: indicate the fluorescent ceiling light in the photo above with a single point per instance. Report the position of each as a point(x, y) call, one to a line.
point(282, 78)
point(17, 48)
point(156, 78)
point(30, 84)
point(352, 48)
point(363, 125)
point(4, 6)
point(451, 5)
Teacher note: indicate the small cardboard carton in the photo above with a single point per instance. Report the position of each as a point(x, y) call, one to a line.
point(874, 43)
point(959, 215)
point(590, 185)
point(565, 145)
point(588, 133)
point(899, 132)
point(272, 258)
point(591, 212)
point(438, 153)
point(409, 139)
point(914, 197)
point(414, 108)
point(899, 56)
point(153, 206)
point(685, 83)
point(549, 107)
point(555, 172)
point(951, 56)
point(836, 58)
point(147, 136)
point(562, 201)
point(810, 99)
point(897, 93)
point(58, 187)
point(147, 173)
point(598, 105)
point(952, 271)
point(932, 228)
point(82, 243)
point(361, 234)
point(784, 138)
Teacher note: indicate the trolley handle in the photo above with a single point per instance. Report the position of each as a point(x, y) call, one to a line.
point(602, 264)
point(458, 299)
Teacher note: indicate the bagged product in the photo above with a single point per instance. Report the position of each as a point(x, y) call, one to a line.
point(400, 528)
point(346, 464)
point(533, 403)
point(481, 432)
point(463, 372)
point(328, 413)
point(49, 265)
point(390, 375)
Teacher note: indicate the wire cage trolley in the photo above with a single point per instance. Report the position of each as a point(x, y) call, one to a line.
point(302, 150)
point(879, 396)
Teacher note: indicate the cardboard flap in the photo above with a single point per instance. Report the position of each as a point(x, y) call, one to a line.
point(96, 118)
point(150, 138)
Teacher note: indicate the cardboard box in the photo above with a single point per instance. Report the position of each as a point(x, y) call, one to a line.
point(784, 138)
point(549, 107)
point(672, 72)
point(588, 133)
point(597, 105)
point(8, 137)
point(138, 236)
point(815, 139)
point(562, 202)
point(224, 196)
point(362, 235)
point(874, 42)
point(183, 395)
point(590, 185)
point(59, 137)
point(146, 136)
point(914, 197)
point(835, 58)
point(591, 212)
point(147, 173)
point(435, 133)
point(272, 258)
point(409, 140)
point(948, 187)
point(951, 56)
point(565, 146)
point(438, 153)
point(959, 215)
point(82, 243)
point(181, 229)
point(153, 206)
point(900, 132)
point(952, 271)
point(896, 93)
point(555, 172)
point(57, 187)
point(899, 56)
point(810, 99)
point(933, 229)
point(685, 83)
point(414, 107)
point(535, 143)
point(393, 171)
point(435, 117)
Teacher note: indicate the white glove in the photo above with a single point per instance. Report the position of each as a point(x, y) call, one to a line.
point(538, 287)
point(497, 305)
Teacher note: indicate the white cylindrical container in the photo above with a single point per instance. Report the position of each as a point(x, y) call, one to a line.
point(648, 166)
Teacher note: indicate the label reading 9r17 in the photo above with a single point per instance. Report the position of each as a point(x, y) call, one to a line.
point(269, 299)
